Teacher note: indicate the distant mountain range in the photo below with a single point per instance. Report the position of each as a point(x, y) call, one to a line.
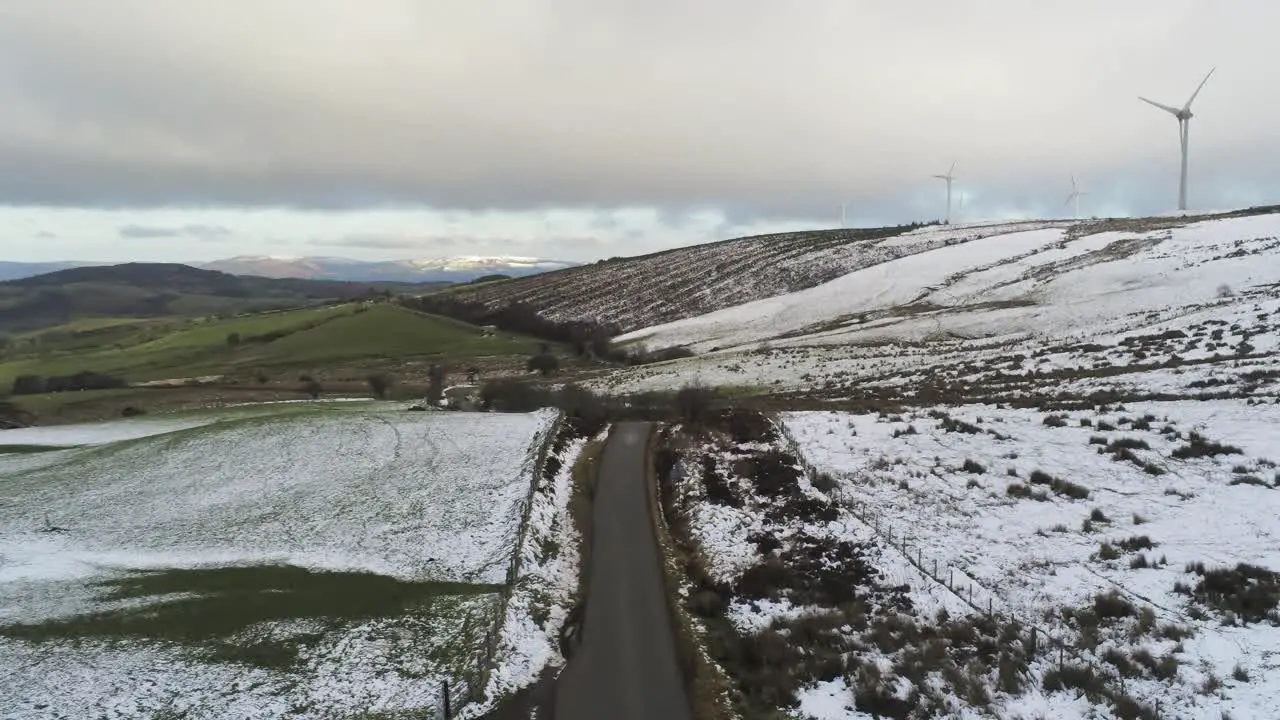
point(452, 270)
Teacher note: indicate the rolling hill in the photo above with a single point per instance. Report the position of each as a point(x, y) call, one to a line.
point(145, 290)
point(1052, 315)
point(1049, 281)
point(638, 292)
point(302, 338)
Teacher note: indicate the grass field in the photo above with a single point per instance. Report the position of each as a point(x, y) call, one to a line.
point(317, 559)
point(308, 338)
point(388, 332)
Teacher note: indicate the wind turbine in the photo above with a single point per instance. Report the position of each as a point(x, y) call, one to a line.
point(1184, 125)
point(948, 178)
point(843, 206)
point(1075, 195)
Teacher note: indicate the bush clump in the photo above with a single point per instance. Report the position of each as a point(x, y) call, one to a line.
point(1198, 446)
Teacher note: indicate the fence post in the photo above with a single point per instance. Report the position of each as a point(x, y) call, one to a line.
point(988, 607)
point(1033, 639)
point(951, 578)
point(971, 593)
point(448, 713)
point(919, 558)
point(935, 568)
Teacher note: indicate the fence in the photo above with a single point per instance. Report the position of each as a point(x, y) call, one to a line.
point(960, 584)
point(457, 694)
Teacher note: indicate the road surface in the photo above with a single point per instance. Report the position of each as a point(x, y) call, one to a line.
point(625, 667)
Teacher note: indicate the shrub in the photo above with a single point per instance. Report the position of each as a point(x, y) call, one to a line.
point(28, 385)
point(971, 466)
point(1097, 440)
point(1129, 444)
point(1113, 606)
point(693, 403)
point(1098, 516)
point(1108, 552)
point(131, 411)
point(1076, 677)
point(543, 363)
point(233, 339)
point(1139, 563)
point(825, 483)
point(313, 389)
point(1239, 674)
point(1197, 446)
point(1059, 486)
point(1136, 543)
point(1105, 426)
point(1055, 420)
point(1249, 591)
point(1138, 519)
point(1040, 478)
point(379, 384)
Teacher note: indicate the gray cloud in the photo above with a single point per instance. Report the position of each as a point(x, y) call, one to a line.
point(761, 108)
point(385, 242)
point(208, 233)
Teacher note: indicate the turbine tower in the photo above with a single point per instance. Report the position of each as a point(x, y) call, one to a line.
point(948, 178)
point(1184, 125)
point(1075, 196)
point(843, 206)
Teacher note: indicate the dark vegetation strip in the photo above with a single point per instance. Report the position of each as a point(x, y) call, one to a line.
point(214, 605)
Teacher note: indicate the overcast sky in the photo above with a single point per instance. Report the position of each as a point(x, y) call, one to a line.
point(577, 129)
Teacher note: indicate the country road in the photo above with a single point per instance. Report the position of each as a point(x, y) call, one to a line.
point(625, 668)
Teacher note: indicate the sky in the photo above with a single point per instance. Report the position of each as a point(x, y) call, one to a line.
point(581, 129)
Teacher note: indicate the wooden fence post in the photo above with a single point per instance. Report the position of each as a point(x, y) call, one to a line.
point(448, 713)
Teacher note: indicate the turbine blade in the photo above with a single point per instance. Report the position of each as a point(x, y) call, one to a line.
point(1171, 110)
point(1070, 197)
point(953, 168)
point(1197, 92)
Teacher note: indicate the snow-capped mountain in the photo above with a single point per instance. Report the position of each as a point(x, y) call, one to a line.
point(453, 269)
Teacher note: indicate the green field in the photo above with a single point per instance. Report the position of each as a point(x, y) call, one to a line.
point(304, 338)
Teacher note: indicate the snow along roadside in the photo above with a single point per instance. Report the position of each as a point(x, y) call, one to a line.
point(547, 587)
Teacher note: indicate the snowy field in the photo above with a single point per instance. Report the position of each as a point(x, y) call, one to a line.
point(393, 529)
point(1032, 513)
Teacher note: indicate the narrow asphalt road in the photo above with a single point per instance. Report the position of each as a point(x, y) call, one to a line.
point(626, 667)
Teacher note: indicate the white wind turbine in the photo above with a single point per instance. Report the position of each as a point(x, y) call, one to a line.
point(843, 206)
point(1075, 196)
point(1184, 125)
point(948, 178)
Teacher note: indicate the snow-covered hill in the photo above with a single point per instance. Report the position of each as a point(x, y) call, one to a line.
point(637, 292)
point(1159, 308)
point(1048, 281)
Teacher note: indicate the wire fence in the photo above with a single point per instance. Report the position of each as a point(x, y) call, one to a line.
point(1051, 636)
point(455, 694)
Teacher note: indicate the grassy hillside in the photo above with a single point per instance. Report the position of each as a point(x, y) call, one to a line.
point(296, 338)
point(386, 331)
point(150, 290)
